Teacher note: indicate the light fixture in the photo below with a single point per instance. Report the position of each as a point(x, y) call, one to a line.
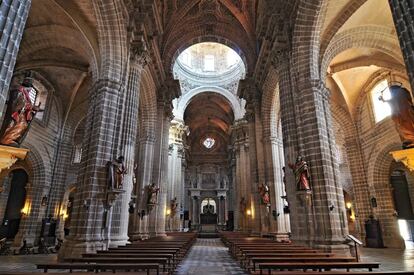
point(26, 208)
point(168, 212)
point(349, 205)
point(249, 212)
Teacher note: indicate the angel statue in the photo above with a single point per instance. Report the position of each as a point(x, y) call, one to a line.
point(20, 112)
point(302, 175)
point(402, 113)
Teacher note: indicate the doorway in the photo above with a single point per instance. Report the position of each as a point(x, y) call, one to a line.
point(403, 206)
point(15, 203)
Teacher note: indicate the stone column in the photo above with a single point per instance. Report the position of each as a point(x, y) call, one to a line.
point(144, 177)
point(111, 132)
point(119, 226)
point(99, 147)
point(319, 218)
point(158, 214)
point(176, 140)
point(240, 140)
point(403, 15)
point(13, 16)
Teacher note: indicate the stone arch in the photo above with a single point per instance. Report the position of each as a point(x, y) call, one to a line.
point(376, 37)
point(147, 106)
point(270, 104)
point(305, 55)
point(112, 41)
point(37, 188)
point(182, 103)
point(338, 22)
point(379, 171)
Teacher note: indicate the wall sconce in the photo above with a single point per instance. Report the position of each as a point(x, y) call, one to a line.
point(249, 212)
point(63, 214)
point(168, 212)
point(348, 205)
point(26, 208)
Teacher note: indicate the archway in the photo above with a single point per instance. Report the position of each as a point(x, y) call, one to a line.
point(402, 203)
point(15, 208)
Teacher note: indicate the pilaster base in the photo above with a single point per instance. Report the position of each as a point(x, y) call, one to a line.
point(75, 249)
point(281, 237)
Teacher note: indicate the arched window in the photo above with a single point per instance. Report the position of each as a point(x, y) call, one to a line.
point(77, 154)
point(382, 109)
point(209, 63)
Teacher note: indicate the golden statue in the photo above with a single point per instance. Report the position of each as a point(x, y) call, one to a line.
point(402, 113)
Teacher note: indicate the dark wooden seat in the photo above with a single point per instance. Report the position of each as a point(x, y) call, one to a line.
point(256, 260)
point(148, 260)
point(315, 266)
point(337, 273)
point(99, 266)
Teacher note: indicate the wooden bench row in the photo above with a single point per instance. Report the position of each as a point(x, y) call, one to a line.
point(266, 256)
point(152, 256)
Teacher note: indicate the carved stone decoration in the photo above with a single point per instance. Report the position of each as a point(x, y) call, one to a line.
point(139, 53)
point(111, 198)
point(280, 57)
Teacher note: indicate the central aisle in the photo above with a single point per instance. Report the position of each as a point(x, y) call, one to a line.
point(209, 256)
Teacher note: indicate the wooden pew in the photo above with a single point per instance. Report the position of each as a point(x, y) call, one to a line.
point(96, 267)
point(315, 266)
point(277, 259)
point(148, 260)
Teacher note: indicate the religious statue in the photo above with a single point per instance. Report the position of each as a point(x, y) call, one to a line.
point(224, 181)
point(116, 171)
point(20, 112)
point(173, 206)
point(402, 113)
point(152, 191)
point(208, 209)
point(302, 175)
point(243, 205)
point(264, 193)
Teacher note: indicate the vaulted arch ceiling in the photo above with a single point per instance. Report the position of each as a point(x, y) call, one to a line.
point(209, 115)
point(223, 21)
point(358, 40)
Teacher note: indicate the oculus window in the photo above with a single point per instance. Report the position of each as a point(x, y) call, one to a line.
point(209, 142)
point(382, 109)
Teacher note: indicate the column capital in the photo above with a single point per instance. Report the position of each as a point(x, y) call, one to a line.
point(316, 86)
point(280, 57)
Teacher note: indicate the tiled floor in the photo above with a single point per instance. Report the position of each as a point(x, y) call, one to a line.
point(209, 256)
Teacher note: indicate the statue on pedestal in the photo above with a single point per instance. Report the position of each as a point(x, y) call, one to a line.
point(264, 193)
point(173, 206)
point(243, 205)
point(402, 113)
point(302, 175)
point(152, 195)
point(116, 171)
point(20, 112)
